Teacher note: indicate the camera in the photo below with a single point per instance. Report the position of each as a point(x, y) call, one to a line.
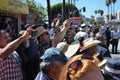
point(34, 33)
point(71, 23)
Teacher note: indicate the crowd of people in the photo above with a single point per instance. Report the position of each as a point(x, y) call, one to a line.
point(60, 52)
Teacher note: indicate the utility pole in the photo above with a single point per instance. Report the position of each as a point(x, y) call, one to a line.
point(49, 12)
point(63, 10)
point(68, 8)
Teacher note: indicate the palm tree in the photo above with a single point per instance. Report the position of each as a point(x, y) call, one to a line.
point(96, 12)
point(113, 1)
point(101, 12)
point(108, 2)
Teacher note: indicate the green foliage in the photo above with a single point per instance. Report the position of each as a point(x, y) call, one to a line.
point(101, 12)
point(38, 10)
point(108, 2)
point(57, 8)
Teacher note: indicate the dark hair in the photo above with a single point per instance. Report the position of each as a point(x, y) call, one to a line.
point(34, 26)
point(106, 76)
point(26, 26)
point(99, 36)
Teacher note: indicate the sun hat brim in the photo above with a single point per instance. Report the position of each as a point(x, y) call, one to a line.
point(72, 48)
point(95, 42)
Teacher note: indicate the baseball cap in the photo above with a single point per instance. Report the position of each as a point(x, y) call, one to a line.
point(53, 54)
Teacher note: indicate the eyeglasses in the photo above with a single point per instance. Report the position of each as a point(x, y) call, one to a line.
point(77, 64)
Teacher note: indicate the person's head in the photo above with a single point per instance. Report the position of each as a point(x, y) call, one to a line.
point(52, 62)
point(81, 36)
point(4, 38)
point(112, 69)
point(27, 26)
point(80, 69)
point(43, 34)
point(69, 36)
point(101, 37)
point(89, 46)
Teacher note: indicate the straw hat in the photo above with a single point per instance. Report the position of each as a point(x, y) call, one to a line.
point(89, 42)
point(40, 30)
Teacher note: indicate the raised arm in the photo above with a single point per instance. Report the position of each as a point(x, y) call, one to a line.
point(59, 36)
point(10, 47)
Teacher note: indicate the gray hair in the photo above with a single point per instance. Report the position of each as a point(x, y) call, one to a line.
point(44, 66)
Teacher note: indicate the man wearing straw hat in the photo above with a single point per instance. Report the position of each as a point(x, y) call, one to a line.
point(90, 51)
point(44, 37)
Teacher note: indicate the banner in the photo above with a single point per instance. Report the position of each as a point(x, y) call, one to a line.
point(14, 6)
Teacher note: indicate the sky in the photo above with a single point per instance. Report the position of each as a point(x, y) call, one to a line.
point(91, 5)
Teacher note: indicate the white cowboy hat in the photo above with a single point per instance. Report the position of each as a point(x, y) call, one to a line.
point(82, 25)
point(81, 34)
point(89, 42)
point(72, 49)
point(69, 50)
point(63, 46)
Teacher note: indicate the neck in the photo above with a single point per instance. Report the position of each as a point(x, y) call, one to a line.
point(52, 75)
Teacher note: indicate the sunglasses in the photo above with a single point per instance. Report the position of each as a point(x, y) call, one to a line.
point(76, 65)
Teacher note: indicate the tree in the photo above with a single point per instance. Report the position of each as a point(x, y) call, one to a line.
point(108, 2)
point(39, 11)
point(101, 12)
point(57, 8)
point(113, 1)
point(96, 12)
point(92, 16)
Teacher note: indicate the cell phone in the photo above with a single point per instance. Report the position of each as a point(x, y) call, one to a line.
point(34, 33)
point(59, 16)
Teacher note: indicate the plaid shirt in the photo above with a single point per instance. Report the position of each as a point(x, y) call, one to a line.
point(10, 69)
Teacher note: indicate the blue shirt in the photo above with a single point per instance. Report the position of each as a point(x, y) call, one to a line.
point(42, 76)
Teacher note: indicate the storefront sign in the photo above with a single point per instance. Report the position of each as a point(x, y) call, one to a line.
point(14, 6)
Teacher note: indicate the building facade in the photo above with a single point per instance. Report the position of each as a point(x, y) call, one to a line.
point(12, 10)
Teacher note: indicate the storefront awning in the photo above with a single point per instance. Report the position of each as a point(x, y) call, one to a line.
point(14, 6)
